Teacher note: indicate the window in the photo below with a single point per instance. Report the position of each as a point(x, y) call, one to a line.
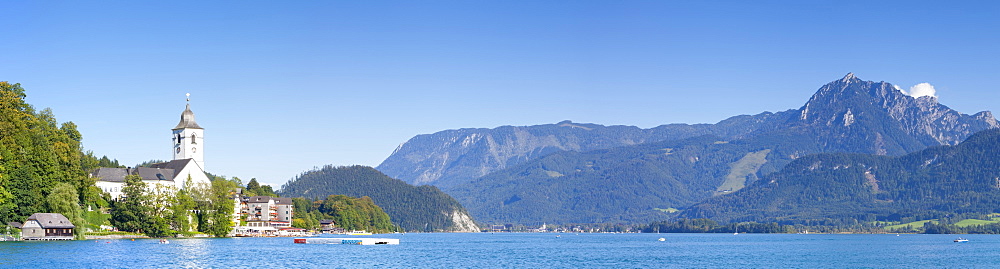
point(192, 139)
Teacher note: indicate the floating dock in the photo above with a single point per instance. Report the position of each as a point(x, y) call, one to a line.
point(348, 241)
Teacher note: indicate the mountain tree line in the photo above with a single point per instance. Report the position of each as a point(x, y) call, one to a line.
point(710, 226)
point(413, 208)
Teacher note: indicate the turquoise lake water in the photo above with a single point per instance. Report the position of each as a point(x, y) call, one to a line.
point(506, 250)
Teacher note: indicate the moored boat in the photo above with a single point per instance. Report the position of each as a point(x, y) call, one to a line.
point(347, 241)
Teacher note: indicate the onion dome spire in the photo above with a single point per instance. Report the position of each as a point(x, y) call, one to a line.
point(187, 117)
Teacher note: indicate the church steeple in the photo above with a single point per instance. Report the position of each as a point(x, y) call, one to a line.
point(189, 137)
point(187, 117)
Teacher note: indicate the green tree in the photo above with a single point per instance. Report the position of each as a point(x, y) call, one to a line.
point(64, 200)
point(216, 211)
point(252, 187)
point(130, 212)
point(180, 219)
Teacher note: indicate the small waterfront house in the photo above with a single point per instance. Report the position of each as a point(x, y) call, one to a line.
point(47, 226)
point(327, 224)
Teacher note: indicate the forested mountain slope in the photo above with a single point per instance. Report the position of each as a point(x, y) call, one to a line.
point(841, 188)
point(414, 208)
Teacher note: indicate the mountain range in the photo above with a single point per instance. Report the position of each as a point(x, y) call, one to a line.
point(585, 173)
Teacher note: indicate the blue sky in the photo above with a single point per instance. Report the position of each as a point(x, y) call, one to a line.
point(285, 87)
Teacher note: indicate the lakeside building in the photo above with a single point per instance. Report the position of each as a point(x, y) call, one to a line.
point(186, 169)
point(47, 226)
point(330, 227)
point(264, 215)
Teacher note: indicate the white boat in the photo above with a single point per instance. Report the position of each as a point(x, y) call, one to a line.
point(362, 232)
point(661, 239)
point(347, 241)
point(961, 240)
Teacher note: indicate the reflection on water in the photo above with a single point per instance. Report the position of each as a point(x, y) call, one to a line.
point(191, 253)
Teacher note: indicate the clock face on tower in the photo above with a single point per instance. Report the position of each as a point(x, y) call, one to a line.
point(178, 150)
point(193, 150)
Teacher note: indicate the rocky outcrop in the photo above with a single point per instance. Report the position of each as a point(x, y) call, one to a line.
point(462, 222)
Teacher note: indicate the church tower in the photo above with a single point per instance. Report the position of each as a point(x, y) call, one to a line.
point(189, 138)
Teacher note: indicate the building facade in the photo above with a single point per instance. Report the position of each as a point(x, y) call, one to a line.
point(264, 215)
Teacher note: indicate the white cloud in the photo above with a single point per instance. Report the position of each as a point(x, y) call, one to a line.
point(922, 89)
point(899, 89)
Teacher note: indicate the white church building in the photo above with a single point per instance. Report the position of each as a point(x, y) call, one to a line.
point(189, 162)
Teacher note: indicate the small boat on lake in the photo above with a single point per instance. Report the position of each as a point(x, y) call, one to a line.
point(961, 240)
point(362, 232)
point(347, 241)
point(661, 239)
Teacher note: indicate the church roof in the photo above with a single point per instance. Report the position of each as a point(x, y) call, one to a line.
point(146, 173)
point(187, 119)
point(176, 165)
point(110, 174)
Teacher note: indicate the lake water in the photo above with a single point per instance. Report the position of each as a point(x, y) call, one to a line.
point(507, 250)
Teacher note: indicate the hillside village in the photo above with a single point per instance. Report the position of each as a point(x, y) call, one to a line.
point(251, 215)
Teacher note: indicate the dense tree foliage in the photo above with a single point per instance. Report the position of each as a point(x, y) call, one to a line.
point(36, 155)
point(160, 211)
point(414, 208)
point(215, 207)
point(131, 212)
point(346, 212)
point(65, 200)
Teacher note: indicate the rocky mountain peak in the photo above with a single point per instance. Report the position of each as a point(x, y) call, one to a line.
point(883, 109)
point(849, 77)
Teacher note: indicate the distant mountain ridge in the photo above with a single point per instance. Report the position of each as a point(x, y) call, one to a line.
point(677, 165)
point(452, 157)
